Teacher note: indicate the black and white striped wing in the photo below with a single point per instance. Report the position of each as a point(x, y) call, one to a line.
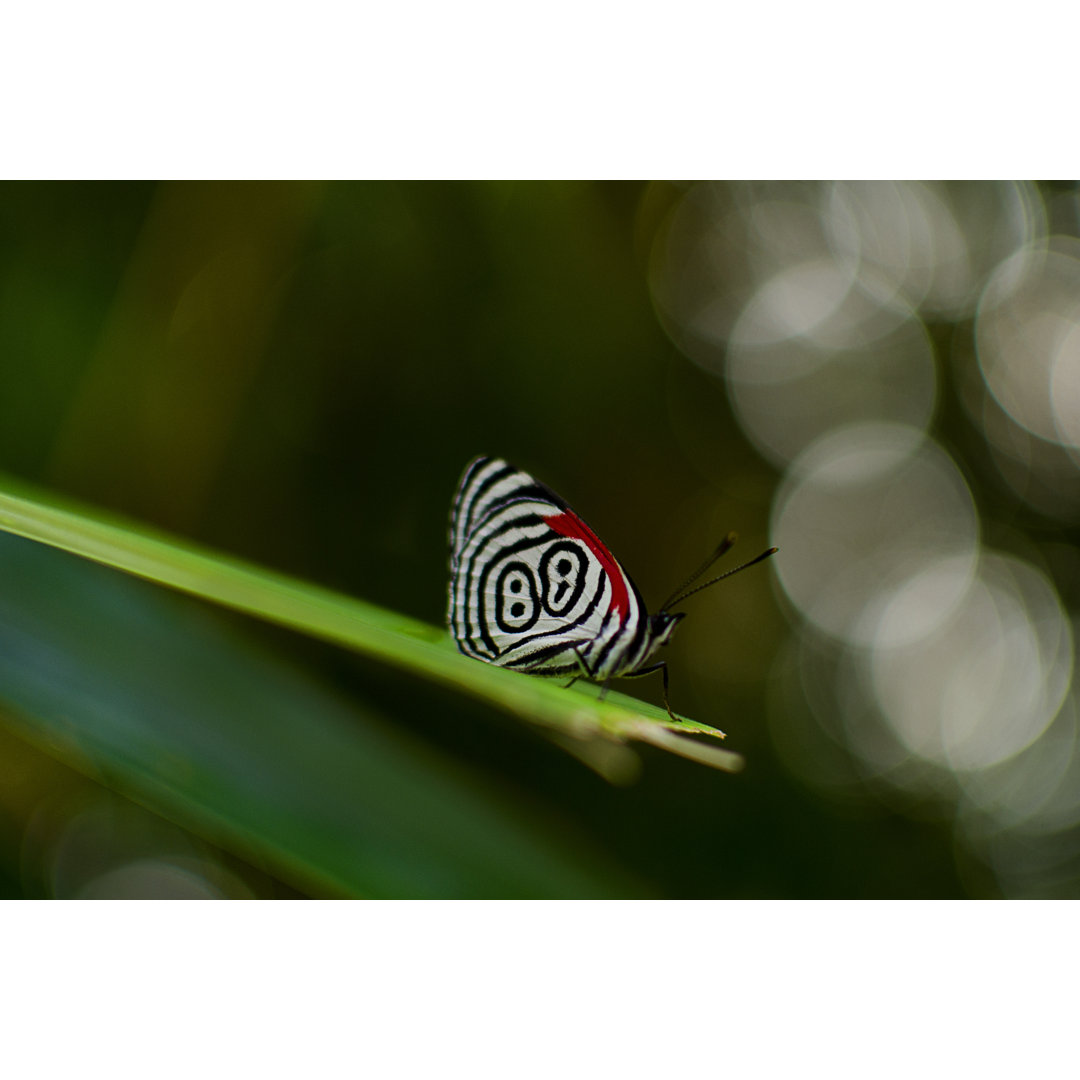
point(531, 586)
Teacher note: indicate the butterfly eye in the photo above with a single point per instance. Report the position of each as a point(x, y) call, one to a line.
point(517, 604)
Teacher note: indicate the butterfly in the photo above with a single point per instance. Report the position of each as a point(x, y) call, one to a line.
point(533, 589)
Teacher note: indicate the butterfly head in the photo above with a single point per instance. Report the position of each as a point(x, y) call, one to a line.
point(662, 626)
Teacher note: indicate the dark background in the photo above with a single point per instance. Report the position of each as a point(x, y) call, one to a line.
point(297, 373)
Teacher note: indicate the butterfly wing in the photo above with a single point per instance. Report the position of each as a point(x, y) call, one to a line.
point(531, 585)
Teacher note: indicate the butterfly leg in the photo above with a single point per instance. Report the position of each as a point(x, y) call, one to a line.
point(585, 672)
point(662, 668)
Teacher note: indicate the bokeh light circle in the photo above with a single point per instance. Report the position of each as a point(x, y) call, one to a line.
point(932, 244)
point(1038, 789)
point(789, 392)
point(812, 260)
point(984, 682)
point(1027, 335)
point(862, 511)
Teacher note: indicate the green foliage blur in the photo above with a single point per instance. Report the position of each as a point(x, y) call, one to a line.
point(296, 374)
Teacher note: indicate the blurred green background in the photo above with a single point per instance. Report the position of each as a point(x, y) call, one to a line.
point(882, 379)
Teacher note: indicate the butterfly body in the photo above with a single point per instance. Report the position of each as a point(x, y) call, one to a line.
point(532, 588)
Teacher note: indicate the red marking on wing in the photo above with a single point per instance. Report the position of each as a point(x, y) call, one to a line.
point(569, 524)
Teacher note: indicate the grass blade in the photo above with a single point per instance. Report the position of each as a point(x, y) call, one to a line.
point(384, 635)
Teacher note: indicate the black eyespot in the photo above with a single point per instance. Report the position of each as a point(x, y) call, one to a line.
point(562, 571)
point(517, 600)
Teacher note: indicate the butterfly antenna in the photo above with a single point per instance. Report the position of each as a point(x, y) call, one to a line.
point(681, 595)
point(725, 546)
